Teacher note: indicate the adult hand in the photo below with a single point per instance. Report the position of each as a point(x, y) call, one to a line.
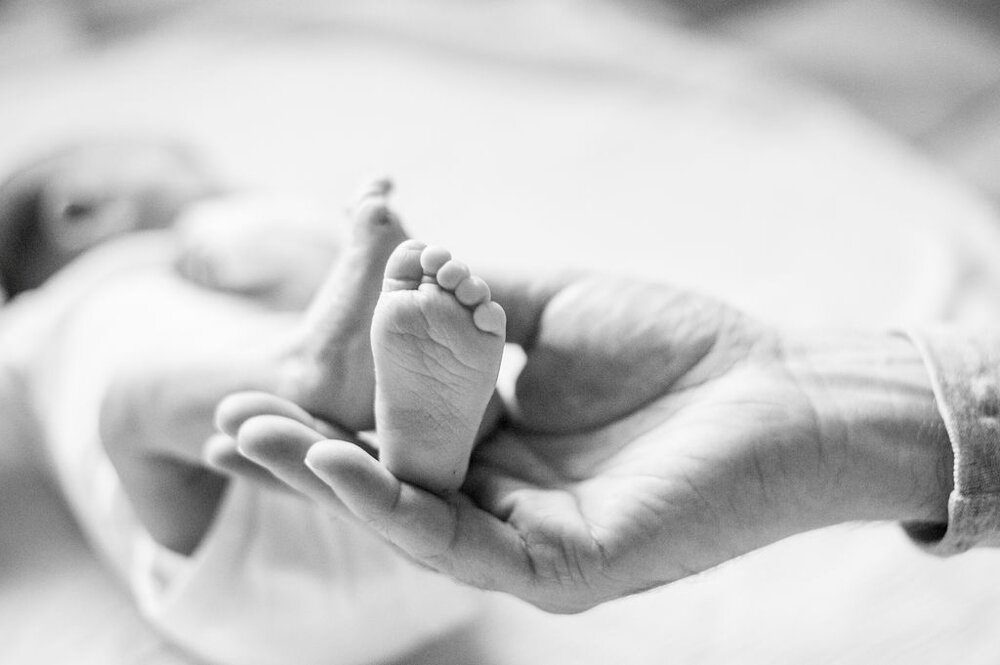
point(656, 434)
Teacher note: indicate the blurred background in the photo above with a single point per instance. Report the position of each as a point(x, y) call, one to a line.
point(926, 70)
point(822, 162)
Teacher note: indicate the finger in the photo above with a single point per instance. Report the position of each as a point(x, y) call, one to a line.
point(449, 534)
point(221, 453)
point(279, 445)
point(237, 408)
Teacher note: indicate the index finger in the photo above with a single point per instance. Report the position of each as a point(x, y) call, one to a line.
point(447, 533)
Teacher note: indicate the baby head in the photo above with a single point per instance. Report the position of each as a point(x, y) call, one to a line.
point(58, 207)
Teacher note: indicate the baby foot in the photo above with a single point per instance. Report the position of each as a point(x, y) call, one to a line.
point(437, 341)
point(328, 369)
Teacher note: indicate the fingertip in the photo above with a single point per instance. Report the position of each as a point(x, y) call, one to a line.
point(221, 453)
point(331, 454)
point(229, 413)
point(278, 446)
point(236, 409)
point(219, 447)
point(271, 438)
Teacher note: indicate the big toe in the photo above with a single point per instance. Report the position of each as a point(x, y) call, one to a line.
point(403, 269)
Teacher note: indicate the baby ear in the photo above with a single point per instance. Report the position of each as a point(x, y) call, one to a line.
point(74, 224)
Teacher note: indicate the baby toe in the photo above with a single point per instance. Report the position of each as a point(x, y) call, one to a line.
point(452, 274)
point(403, 270)
point(433, 258)
point(490, 318)
point(472, 291)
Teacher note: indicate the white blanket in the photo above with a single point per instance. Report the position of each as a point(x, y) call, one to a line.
point(274, 575)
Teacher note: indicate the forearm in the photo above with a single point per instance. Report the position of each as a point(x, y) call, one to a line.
point(883, 436)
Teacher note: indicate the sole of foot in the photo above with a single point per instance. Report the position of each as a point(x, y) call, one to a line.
point(437, 340)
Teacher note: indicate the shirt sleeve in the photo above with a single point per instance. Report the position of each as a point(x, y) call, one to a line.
point(965, 374)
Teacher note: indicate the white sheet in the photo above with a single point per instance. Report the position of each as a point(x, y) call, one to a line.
point(555, 131)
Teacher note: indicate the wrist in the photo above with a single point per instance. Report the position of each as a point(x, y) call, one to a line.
point(886, 452)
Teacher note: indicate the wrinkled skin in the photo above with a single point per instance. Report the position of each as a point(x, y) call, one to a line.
point(650, 440)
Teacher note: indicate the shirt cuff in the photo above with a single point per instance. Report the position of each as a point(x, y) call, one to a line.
point(965, 375)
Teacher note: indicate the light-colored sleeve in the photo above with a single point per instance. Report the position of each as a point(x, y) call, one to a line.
point(274, 576)
point(277, 576)
point(964, 368)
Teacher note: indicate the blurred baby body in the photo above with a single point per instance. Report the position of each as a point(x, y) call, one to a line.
point(272, 575)
point(273, 248)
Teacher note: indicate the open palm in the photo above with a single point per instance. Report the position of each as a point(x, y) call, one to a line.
point(652, 438)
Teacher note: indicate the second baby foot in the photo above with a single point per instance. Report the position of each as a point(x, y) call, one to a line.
point(329, 370)
point(437, 341)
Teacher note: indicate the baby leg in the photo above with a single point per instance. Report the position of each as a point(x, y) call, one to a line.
point(437, 340)
point(156, 415)
point(278, 256)
point(328, 368)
